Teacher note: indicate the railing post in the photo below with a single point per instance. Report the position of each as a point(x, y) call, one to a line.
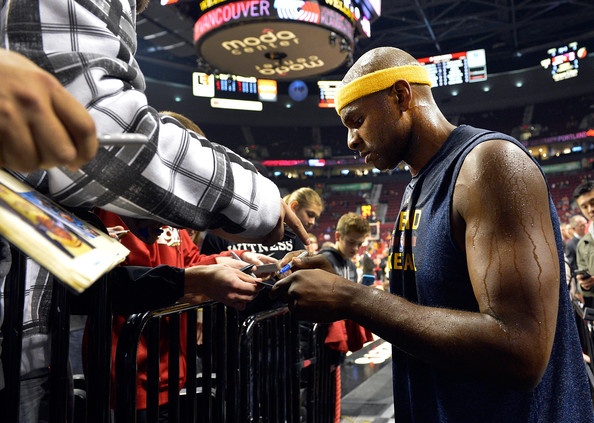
point(59, 377)
point(12, 331)
point(99, 355)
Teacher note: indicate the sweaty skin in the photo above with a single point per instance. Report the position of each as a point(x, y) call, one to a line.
point(500, 219)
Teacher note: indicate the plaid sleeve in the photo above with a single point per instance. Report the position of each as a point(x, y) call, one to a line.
point(179, 178)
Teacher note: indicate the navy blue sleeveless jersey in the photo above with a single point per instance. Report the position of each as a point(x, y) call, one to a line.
point(424, 393)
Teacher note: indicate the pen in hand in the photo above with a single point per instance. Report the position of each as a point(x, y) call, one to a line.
point(245, 269)
point(118, 234)
point(289, 265)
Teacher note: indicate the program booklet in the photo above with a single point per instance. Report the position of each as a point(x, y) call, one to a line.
point(72, 250)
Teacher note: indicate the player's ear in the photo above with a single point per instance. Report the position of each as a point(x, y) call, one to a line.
point(401, 91)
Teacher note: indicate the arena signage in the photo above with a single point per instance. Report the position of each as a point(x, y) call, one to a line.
point(278, 40)
point(208, 4)
point(229, 13)
point(267, 41)
point(340, 5)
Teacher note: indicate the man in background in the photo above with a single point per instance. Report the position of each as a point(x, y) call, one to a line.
point(579, 225)
point(584, 197)
point(343, 336)
point(351, 232)
point(367, 263)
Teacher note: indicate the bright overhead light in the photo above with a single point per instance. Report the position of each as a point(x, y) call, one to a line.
point(155, 35)
point(225, 103)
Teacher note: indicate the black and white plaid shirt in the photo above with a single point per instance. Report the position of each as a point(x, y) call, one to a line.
point(179, 178)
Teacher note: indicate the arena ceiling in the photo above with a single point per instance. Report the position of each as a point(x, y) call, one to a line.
point(515, 33)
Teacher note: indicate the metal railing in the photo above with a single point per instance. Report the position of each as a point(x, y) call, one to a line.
point(253, 368)
point(264, 367)
point(97, 385)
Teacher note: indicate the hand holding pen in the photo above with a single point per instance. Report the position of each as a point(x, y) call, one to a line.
point(274, 276)
point(315, 261)
point(312, 281)
point(291, 263)
point(117, 232)
point(245, 269)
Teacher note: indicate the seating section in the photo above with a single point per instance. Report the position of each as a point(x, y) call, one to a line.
point(563, 116)
point(562, 187)
point(392, 188)
point(272, 142)
point(556, 117)
point(504, 120)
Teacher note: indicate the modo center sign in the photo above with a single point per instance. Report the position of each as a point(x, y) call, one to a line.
point(275, 39)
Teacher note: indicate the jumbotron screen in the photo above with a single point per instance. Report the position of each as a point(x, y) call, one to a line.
point(563, 62)
point(234, 91)
point(327, 93)
point(456, 68)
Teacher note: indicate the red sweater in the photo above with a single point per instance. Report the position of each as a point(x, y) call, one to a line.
point(174, 248)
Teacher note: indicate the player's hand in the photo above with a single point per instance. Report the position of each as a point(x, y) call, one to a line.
point(317, 261)
point(314, 294)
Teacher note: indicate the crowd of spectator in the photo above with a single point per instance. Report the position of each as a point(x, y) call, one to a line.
point(262, 143)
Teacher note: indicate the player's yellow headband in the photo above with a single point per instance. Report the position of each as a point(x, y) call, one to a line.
point(377, 81)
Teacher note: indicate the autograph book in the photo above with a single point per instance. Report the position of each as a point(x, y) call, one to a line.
point(71, 249)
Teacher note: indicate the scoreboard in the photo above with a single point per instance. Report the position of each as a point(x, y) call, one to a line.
point(234, 91)
point(563, 61)
point(327, 93)
point(456, 68)
point(231, 85)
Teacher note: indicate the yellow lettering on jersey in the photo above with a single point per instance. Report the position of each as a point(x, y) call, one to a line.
point(409, 262)
point(404, 221)
point(417, 219)
point(400, 261)
point(396, 261)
